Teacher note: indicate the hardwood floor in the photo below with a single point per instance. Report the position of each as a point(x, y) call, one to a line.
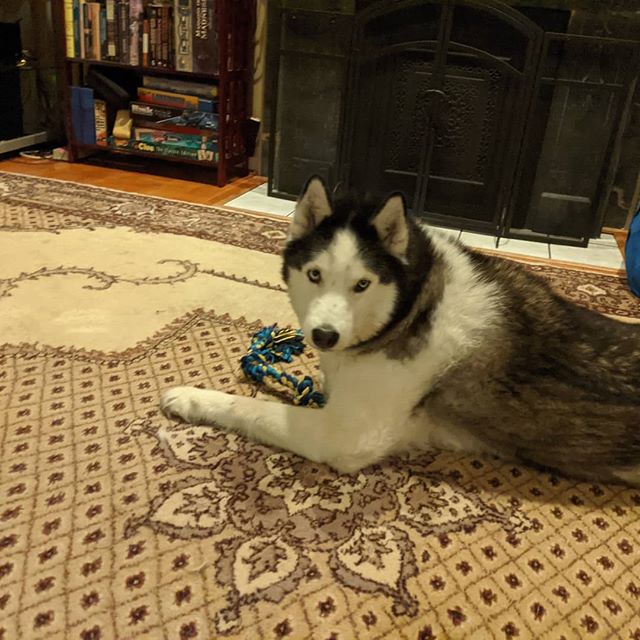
point(158, 186)
point(135, 182)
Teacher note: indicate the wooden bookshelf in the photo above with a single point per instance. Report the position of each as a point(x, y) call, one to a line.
point(157, 71)
point(235, 21)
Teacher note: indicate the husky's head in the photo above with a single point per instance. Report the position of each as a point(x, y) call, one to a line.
point(350, 268)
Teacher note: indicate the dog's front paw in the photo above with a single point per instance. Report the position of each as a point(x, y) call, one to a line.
point(184, 403)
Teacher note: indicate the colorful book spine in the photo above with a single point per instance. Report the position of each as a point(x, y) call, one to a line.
point(153, 35)
point(180, 86)
point(177, 100)
point(135, 25)
point(153, 112)
point(100, 118)
point(145, 42)
point(165, 20)
point(94, 17)
point(76, 28)
point(162, 136)
point(103, 32)
point(112, 30)
point(68, 28)
point(183, 27)
point(86, 28)
point(169, 151)
point(122, 14)
point(76, 115)
point(81, 15)
point(175, 120)
point(82, 115)
point(205, 37)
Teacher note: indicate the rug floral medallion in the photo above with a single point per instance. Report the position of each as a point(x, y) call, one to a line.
point(118, 523)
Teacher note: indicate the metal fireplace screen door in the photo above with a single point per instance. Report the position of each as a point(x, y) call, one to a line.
point(438, 96)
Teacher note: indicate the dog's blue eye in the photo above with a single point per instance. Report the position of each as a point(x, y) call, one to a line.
point(314, 275)
point(361, 286)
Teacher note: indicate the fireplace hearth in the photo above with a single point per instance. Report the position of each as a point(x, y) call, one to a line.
point(508, 119)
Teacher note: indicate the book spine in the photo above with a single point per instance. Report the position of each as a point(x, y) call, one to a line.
point(153, 112)
point(123, 25)
point(103, 32)
point(207, 155)
point(145, 42)
point(177, 100)
point(160, 62)
point(140, 121)
point(204, 37)
point(180, 86)
point(164, 36)
point(76, 115)
point(153, 36)
point(86, 28)
point(100, 116)
point(135, 26)
point(76, 28)
point(112, 35)
point(68, 28)
point(175, 120)
point(81, 27)
point(87, 116)
point(95, 31)
point(164, 136)
point(172, 56)
point(183, 25)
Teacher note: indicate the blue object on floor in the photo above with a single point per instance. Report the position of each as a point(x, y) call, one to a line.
point(632, 254)
point(271, 345)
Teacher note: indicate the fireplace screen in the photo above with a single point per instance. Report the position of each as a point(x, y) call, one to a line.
point(488, 117)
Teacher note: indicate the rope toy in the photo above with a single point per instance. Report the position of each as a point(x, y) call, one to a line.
point(270, 346)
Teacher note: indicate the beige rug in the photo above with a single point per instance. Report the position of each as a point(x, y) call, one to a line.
point(116, 523)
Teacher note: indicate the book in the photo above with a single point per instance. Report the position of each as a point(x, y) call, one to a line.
point(153, 35)
point(86, 28)
point(76, 115)
point(176, 120)
point(135, 28)
point(145, 43)
point(165, 20)
point(180, 86)
point(76, 28)
point(177, 100)
point(112, 30)
point(103, 32)
point(204, 37)
point(183, 27)
point(159, 136)
point(82, 115)
point(171, 151)
point(100, 118)
point(93, 30)
point(122, 17)
point(68, 28)
point(81, 17)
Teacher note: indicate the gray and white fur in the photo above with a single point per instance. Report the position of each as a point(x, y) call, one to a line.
point(426, 344)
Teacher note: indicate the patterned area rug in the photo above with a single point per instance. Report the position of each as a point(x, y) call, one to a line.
point(117, 523)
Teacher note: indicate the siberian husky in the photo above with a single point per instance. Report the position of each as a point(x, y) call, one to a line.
point(426, 344)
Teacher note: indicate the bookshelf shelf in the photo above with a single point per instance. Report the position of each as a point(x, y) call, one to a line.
point(159, 71)
point(142, 154)
point(235, 24)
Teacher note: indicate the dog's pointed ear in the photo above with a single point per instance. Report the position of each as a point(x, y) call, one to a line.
point(392, 226)
point(312, 208)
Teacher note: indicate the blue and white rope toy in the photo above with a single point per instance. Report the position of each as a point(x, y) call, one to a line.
point(270, 346)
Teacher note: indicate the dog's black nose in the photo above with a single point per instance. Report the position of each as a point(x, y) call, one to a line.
point(325, 337)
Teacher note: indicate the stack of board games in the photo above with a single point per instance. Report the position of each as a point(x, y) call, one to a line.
point(174, 118)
